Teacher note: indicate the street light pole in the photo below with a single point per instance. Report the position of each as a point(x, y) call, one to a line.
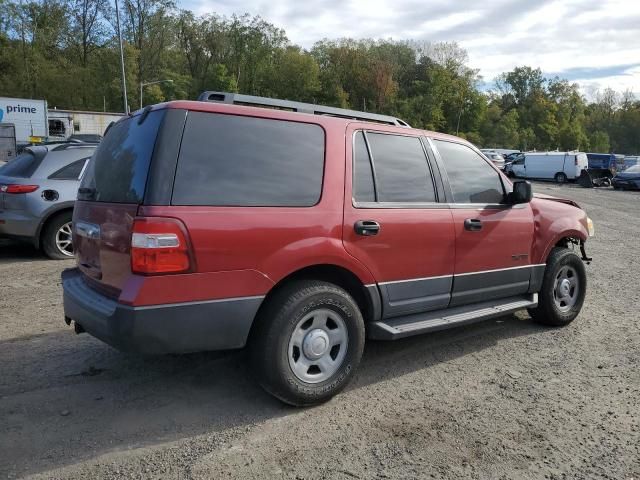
point(144, 84)
point(124, 81)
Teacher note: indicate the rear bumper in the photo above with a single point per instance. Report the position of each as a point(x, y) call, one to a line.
point(157, 329)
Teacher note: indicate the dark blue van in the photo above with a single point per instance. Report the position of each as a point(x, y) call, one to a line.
point(602, 165)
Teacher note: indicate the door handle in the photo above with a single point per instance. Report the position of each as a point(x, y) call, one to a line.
point(472, 224)
point(366, 228)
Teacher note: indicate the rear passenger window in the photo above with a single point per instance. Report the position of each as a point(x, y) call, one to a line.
point(229, 160)
point(471, 178)
point(71, 171)
point(401, 169)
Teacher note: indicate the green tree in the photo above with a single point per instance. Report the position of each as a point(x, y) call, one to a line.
point(599, 142)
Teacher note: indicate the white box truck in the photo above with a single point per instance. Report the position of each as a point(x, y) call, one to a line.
point(29, 118)
point(64, 123)
point(558, 166)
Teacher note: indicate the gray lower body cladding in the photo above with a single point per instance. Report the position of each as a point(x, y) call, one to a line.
point(172, 328)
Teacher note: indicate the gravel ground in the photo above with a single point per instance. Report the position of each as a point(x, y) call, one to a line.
point(501, 399)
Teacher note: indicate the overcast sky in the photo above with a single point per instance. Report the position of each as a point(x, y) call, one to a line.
point(593, 42)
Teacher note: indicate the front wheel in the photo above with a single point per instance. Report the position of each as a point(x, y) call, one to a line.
point(563, 290)
point(307, 343)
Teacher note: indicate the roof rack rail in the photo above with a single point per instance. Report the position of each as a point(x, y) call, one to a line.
point(266, 102)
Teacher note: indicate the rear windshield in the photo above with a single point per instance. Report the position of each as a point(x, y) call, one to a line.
point(23, 166)
point(118, 171)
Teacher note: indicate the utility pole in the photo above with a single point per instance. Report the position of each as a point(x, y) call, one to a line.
point(124, 80)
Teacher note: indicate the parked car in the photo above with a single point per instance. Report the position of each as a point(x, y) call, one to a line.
point(502, 151)
point(558, 166)
point(208, 226)
point(512, 156)
point(496, 159)
point(630, 161)
point(629, 179)
point(85, 138)
point(37, 193)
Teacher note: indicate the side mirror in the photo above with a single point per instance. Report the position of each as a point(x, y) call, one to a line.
point(522, 192)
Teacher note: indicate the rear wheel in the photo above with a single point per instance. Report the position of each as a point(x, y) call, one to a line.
point(56, 237)
point(563, 290)
point(307, 343)
point(560, 178)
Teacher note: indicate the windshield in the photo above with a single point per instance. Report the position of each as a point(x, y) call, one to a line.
point(633, 169)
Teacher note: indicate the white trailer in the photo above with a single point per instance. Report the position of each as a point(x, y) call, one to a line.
point(28, 116)
point(64, 123)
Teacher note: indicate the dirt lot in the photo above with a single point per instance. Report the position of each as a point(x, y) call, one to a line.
point(502, 399)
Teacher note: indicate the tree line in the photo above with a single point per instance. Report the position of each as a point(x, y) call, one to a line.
point(66, 51)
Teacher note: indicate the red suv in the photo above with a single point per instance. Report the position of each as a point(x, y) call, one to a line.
point(205, 225)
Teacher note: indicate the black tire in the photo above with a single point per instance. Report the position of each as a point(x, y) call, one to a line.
point(49, 233)
point(270, 341)
point(548, 312)
point(560, 178)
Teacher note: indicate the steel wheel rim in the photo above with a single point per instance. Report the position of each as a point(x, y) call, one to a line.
point(318, 345)
point(63, 240)
point(566, 288)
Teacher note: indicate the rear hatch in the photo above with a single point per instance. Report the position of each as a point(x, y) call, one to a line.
point(111, 190)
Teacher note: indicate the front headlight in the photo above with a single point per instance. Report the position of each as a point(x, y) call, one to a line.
point(590, 227)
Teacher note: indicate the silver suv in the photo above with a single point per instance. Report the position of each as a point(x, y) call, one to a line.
point(37, 192)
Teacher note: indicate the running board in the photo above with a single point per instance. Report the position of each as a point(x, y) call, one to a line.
point(400, 327)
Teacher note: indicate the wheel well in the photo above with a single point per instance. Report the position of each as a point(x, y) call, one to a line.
point(566, 242)
point(571, 243)
point(47, 219)
point(333, 274)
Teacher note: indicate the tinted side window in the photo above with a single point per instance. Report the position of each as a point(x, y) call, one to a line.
point(363, 189)
point(402, 171)
point(71, 171)
point(244, 161)
point(472, 179)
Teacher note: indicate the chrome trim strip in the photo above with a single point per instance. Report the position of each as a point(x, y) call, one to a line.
point(196, 302)
point(459, 274)
point(498, 270)
point(415, 279)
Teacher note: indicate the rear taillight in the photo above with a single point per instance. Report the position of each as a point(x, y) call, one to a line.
point(18, 188)
point(159, 245)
